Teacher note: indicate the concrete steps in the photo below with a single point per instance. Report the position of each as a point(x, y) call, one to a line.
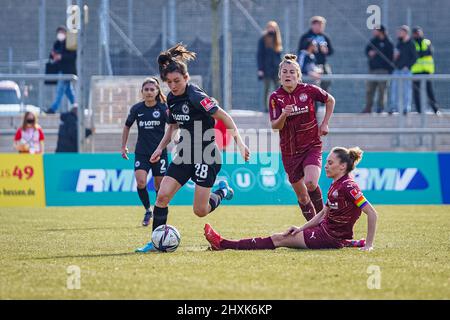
point(359, 120)
point(108, 136)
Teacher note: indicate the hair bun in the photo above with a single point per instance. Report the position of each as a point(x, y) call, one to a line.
point(164, 58)
point(355, 154)
point(290, 56)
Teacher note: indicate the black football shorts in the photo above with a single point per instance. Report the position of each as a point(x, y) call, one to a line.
point(142, 162)
point(202, 174)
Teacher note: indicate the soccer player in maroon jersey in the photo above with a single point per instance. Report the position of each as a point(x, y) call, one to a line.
point(331, 228)
point(292, 113)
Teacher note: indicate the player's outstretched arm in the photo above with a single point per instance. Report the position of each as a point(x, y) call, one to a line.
point(329, 108)
point(371, 226)
point(222, 115)
point(124, 149)
point(172, 127)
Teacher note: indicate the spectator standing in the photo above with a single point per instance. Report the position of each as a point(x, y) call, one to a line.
point(307, 61)
point(65, 61)
point(68, 132)
point(404, 58)
point(29, 138)
point(379, 51)
point(424, 65)
point(268, 58)
point(323, 49)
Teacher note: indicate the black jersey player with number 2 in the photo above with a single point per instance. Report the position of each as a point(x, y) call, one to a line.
point(193, 112)
point(150, 116)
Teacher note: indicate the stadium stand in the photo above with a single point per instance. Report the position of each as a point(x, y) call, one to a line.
point(346, 25)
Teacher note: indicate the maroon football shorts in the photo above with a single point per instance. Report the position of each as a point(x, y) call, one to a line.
point(317, 238)
point(294, 164)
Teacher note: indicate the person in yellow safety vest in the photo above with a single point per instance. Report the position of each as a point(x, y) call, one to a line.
point(424, 65)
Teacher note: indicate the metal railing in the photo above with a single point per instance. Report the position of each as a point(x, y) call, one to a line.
point(400, 130)
point(433, 132)
point(56, 77)
point(423, 78)
point(41, 78)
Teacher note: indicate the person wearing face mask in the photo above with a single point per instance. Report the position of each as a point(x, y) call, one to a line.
point(269, 57)
point(29, 137)
point(404, 58)
point(65, 61)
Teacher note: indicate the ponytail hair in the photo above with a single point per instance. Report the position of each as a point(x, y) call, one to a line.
point(290, 59)
point(174, 60)
point(351, 156)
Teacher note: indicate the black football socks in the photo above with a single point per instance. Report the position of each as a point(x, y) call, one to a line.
point(215, 198)
point(143, 195)
point(159, 216)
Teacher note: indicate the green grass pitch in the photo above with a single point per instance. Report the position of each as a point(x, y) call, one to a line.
point(412, 252)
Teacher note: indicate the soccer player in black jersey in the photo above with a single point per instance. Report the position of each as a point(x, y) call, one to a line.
point(196, 156)
point(151, 118)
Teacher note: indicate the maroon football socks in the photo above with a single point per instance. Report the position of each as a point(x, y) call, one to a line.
point(308, 210)
point(316, 199)
point(248, 244)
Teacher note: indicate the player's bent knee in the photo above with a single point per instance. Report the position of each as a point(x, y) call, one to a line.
point(311, 185)
point(277, 237)
point(162, 200)
point(303, 199)
point(141, 184)
point(281, 240)
point(301, 193)
point(201, 211)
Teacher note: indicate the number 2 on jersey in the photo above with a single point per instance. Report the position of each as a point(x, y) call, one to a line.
point(163, 165)
point(201, 170)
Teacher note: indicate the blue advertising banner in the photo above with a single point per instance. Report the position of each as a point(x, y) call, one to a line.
point(399, 178)
point(107, 179)
point(444, 169)
point(90, 179)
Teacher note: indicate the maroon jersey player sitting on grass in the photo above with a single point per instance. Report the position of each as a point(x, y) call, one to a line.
point(332, 227)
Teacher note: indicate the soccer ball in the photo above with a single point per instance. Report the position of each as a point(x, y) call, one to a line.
point(166, 238)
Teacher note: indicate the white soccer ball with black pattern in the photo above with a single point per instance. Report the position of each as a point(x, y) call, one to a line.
point(166, 238)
